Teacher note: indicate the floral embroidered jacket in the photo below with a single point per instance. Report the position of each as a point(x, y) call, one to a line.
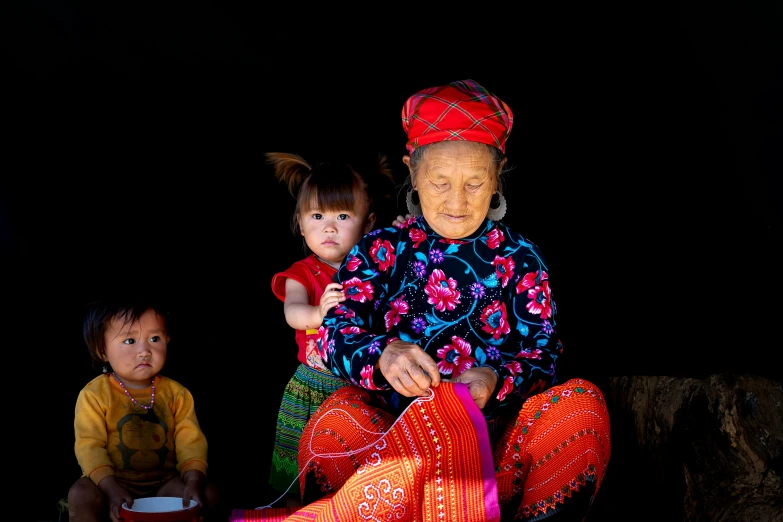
point(484, 300)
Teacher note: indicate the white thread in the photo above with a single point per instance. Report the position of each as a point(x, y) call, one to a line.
point(347, 453)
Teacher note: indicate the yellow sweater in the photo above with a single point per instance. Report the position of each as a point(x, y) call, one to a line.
point(143, 449)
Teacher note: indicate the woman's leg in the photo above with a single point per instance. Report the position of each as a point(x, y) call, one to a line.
point(551, 461)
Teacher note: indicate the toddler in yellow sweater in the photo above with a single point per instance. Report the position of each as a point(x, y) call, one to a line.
point(136, 431)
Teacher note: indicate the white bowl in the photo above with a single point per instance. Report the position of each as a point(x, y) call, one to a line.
point(158, 504)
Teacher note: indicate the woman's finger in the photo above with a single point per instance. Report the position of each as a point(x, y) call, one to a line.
point(408, 386)
point(430, 367)
point(421, 379)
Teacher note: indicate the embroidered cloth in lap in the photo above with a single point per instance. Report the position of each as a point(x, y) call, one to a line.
point(434, 464)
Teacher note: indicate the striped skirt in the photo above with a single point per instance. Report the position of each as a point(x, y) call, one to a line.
point(303, 394)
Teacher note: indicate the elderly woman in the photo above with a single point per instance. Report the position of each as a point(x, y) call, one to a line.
point(447, 330)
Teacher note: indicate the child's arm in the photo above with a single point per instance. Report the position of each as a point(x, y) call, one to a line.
point(91, 436)
point(301, 315)
point(190, 443)
point(92, 440)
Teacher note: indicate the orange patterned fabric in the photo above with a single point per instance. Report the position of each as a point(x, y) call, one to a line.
point(435, 463)
point(559, 442)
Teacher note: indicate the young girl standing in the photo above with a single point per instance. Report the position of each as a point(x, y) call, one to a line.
point(335, 207)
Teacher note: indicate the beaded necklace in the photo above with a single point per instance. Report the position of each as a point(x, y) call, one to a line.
point(152, 401)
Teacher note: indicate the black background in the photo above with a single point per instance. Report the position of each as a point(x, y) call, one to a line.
point(646, 141)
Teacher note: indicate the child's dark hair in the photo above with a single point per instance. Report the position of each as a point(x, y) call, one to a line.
point(331, 186)
point(98, 318)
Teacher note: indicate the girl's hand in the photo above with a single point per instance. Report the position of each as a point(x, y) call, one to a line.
point(333, 295)
point(401, 220)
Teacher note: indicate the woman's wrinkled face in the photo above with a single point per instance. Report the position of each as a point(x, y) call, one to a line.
point(455, 180)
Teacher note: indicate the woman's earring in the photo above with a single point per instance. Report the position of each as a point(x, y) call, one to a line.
point(105, 369)
point(414, 205)
point(497, 207)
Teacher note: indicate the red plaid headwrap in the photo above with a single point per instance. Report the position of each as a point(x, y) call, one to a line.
point(462, 110)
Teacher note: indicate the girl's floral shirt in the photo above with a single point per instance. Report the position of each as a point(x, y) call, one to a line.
point(485, 300)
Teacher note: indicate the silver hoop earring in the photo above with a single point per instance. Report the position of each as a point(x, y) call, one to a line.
point(105, 369)
point(413, 203)
point(497, 207)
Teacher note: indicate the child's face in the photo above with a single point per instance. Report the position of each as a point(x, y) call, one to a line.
point(136, 351)
point(332, 234)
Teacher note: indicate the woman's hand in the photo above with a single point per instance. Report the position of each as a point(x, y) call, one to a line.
point(481, 383)
point(408, 369)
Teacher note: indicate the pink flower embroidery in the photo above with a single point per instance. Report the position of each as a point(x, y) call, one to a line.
point(351, 330)
point(392, 317)
point(408, 222)
point(417, 236)
point(495, 319)
point(442, 293)
point(495, 238)
point(529, 354)
point(540, 300)
point(504, 268)
point(514, 367)
point(382, 252)
point(353, 263)
point(321, 342)
point(508, 385)
point(358, 290)
point(344, 310)
point(367, 381)
point(530, 280)
point(455, 357)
